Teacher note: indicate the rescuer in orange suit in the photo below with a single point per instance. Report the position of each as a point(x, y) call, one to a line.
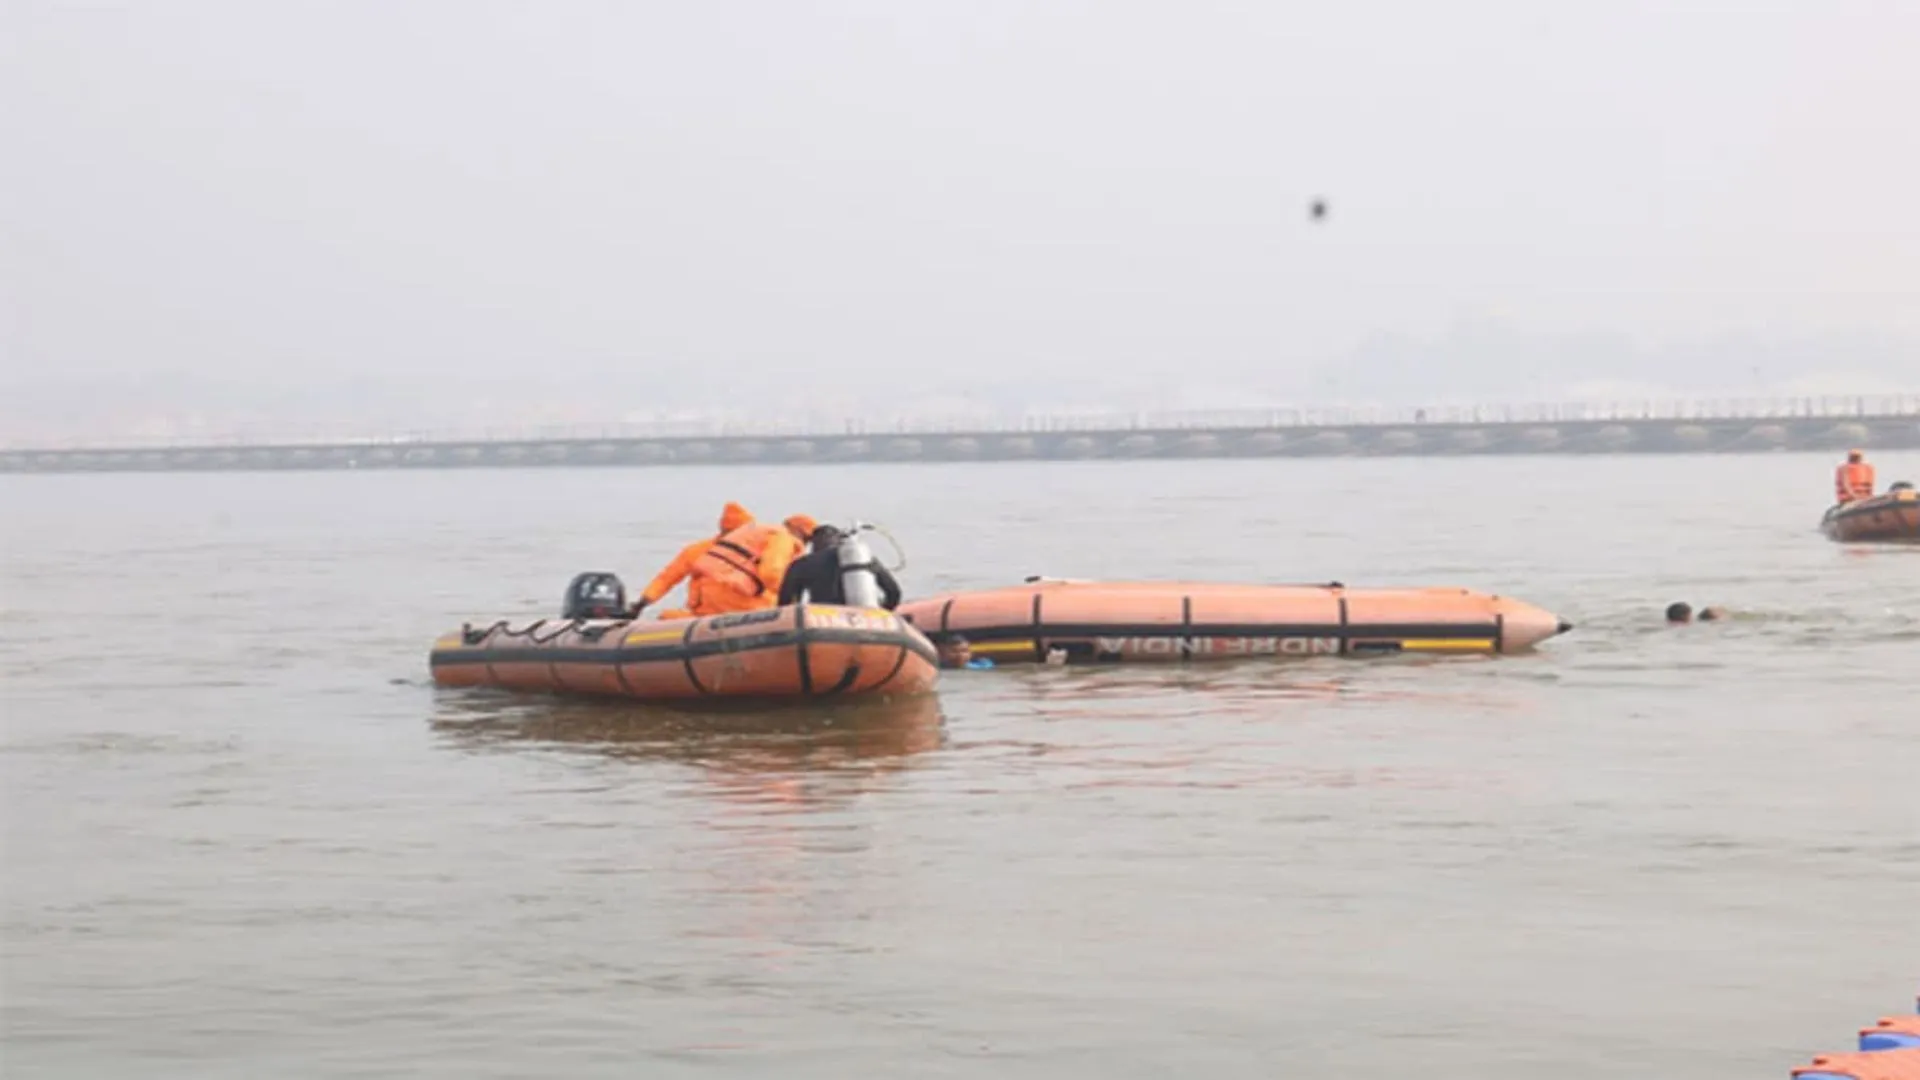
point(742, 570)
point(732, 516)
point(1854, 480)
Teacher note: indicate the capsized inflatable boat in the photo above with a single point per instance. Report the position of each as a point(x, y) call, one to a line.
point(1112, 621)
point(1892, 517)
point(798, 653)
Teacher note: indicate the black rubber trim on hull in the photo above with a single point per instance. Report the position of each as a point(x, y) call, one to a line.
point(1347, 632)
point(1879, 504)
point(894, 672)
point(684, 652)
point(1186, 628)
point(847, 679)
point(1039, 632)
point(686, 660)
point(800, 650)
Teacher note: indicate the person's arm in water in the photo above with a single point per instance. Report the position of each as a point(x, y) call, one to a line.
point(889, 588)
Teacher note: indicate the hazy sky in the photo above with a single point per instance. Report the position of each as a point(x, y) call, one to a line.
point(244, 202)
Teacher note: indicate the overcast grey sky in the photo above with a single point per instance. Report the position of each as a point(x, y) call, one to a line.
point(227, 204)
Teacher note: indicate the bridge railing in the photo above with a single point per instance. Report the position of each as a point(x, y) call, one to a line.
point(1262, 418)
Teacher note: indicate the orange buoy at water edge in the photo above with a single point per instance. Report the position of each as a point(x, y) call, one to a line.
point(1892, 517)
point(1892, 1033)
point(797, 653)
point(1889, 1050)
point(1873, 1065)
point(1109, 622)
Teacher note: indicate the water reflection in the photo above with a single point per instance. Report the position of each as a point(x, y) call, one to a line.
point(1231, 690)
point(1880, 551)
point(1236, 726)
point(785, 756)
point(757, 821)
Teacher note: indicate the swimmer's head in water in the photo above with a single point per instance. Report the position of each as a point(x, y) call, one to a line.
point(955, 651)
point(1679, 611)
point(1708, 614)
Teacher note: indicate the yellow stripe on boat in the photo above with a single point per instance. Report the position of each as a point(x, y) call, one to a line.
point(1002, 646)
point(1449, 645)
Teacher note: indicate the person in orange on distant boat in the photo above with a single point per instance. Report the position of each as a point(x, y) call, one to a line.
point(732, 516)
point(742, 570)
point(1854, 480)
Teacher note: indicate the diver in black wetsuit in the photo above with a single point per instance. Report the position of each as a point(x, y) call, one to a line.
point(817, 574)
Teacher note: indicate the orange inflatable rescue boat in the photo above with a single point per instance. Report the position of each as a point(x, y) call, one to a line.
point(1892, 517)
point(798, 653)
point(1112, 622)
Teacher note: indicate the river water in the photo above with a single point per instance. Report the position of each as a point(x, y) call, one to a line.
point(245, 836)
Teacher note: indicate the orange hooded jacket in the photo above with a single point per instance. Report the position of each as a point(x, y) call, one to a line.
point(731, 517)
point(743, 570)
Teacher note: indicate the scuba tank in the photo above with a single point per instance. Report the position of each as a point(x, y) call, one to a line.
point(858, 585)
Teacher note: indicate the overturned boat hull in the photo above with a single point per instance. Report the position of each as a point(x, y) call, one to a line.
point(1113, 622)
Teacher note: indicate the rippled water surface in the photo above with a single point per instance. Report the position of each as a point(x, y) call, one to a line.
point(245, 837)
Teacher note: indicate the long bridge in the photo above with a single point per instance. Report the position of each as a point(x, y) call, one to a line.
point(1745, 426)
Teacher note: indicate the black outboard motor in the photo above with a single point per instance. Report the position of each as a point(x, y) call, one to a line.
point(595, 595)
